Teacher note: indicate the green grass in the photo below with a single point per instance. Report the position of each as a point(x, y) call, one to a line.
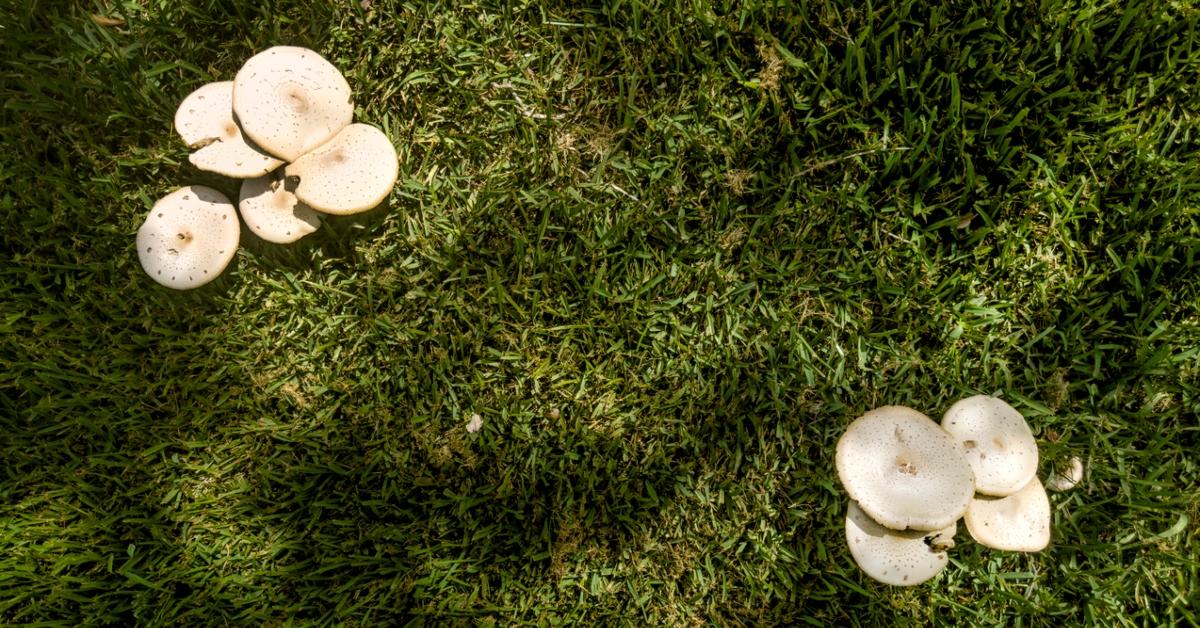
point(667, 251)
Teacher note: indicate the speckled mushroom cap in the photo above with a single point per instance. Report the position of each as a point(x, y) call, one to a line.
point(903, 470)
point(188, 238)
point(998, 442)
point(1017, 523)
point(351, 173)
point(205, 122)
point(901, 558)
point(290, 100)
point(273, 213)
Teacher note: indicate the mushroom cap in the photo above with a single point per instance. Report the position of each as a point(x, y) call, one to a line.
point(901, 558)
point(1066, 478)
point(1017, 523)
point(290, 100)
point(205, 122)
point(188, 238)
point(903, 470)
point(998, 442)
point(273, 213)
point(350, 173)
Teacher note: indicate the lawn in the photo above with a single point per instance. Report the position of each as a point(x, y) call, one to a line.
point(666, 252)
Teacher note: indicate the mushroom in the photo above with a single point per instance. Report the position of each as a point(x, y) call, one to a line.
point(998, 442)
point(903, 470)
point(894, 557)
point(188, 238)
point(1017, 523)
point(1067, 478)
point(205, 122)
point(350, 173)
point(290, 100)
point(273, 213)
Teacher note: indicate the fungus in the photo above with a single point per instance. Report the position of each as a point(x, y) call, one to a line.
point(904, 470)
point(1066, 478)
point(188, 238)
point(205, 122)
point(290, 100)
point(998, 443)
point(1019, 522)
point(273, 213)
point(350, 173)
point(894, 557)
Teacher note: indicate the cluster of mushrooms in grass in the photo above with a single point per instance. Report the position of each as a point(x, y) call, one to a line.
point(284, 126)
point(910, 480)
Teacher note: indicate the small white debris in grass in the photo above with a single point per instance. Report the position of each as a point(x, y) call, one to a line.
point(475, 424)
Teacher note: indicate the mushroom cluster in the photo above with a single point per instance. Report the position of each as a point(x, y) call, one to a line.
point(910, 480)
point(284, 125)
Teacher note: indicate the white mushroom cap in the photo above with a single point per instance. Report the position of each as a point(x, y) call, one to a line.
point(291, 100)
point(273, 213)
point(189, 237)
point(1066, 478)
point(1017, 523)
point(205, 122)
point(351, 173)
point(998, 442)
point(894, 557)
point(903, 470)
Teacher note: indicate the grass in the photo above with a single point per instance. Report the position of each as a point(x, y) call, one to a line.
point(666, 251)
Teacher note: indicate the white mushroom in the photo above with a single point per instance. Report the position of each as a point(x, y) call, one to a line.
point(273, 213)
point(205, 122)
point(351, 173)
point(1017, 523)
point(291, 100)
point(903, 470)
point(188, 238)
point(1066, 478)
point(894, 557)
point(998, 442)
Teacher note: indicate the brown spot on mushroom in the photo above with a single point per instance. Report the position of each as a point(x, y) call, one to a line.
point(969, 444)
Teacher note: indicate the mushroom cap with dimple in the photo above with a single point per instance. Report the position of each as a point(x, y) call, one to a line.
point(205, 122)
point(904, 470)
point(290, 100)
point(273, 213)
point(1017, 523)
point(998, 442)
point(350, 173)
point(188, 238)
point(901, 558)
